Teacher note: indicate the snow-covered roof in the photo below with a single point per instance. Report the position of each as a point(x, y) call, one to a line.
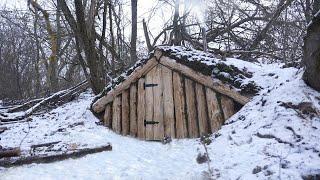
point(206, 63)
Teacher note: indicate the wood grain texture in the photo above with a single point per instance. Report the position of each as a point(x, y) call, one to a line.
point(158, 129)
point(169, 120)
point(125, 109)
point(116, 115)
point(141, 109)
point(205, 80)
point(149, 104)
point(214, 111)
point(99, 105)
point(227, 107)
point(202, 110)
point(179, 103)
point(191, 108)
point(133, 110)
point(107, 118)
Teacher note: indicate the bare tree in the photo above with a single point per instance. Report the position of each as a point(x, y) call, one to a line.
point(311, 56)
point(84, 31)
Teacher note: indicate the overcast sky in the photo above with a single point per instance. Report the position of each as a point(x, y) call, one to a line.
point(155, 19)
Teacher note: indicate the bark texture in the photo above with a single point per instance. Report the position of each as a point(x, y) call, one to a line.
point(311, 57)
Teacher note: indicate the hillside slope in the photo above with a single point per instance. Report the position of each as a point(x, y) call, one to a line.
point(276, 135)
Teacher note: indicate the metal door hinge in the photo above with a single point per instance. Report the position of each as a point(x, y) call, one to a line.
point(149, 85)
point(150, 122)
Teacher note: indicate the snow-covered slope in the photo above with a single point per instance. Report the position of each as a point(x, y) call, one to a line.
point(269, 138)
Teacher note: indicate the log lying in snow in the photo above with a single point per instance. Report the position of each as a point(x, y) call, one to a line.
point(9, 152)
point(53, 158)
point(58, 98)
point(44, 144)
point(2, 129)
point(24, 106)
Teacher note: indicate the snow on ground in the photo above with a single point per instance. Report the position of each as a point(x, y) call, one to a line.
point(262, 141)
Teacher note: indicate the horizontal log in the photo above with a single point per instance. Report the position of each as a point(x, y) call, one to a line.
point(100, 104)
point(53, 158)
point(205, 80)
point(9, 152)
point(3, 129)
point(44, 144)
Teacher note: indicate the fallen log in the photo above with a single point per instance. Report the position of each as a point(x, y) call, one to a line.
point(50, 102)
point(9, 152)
point(2, 129)
point(44, 144)
point(24, 106)
point(53, 158)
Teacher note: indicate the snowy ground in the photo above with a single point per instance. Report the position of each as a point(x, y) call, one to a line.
point(262, 141)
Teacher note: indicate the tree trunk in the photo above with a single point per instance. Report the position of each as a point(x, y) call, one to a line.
point(87, 32)
point(133, 49)
point(53, 64)
point(311, 55)
point(176, 29)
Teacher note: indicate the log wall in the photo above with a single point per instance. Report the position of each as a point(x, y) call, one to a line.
point(181, 107)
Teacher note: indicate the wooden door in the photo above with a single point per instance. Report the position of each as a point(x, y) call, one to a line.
point(154, 119)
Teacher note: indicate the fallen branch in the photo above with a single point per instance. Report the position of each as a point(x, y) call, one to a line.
point(44, 144)
point(24, 106)
point(50, 102)
point(53, 158)
point(2, 129)
point(271, 136)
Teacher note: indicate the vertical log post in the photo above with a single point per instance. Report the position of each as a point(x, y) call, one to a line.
point(201, 109)
point(116, 114)
point(107, 118)
point(125, 112)
point(191, 109)
point(133, 110)
point(214, 112)
point(168, 106)
point(179, 102)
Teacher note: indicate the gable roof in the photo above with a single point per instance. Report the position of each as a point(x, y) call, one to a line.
point(202, 67)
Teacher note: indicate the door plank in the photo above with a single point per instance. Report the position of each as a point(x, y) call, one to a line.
point(168, 104)
point(179, 102)
point(191, 109)
point(141, 109)
point(158, 129)
point(149, 104)
point(214, 112)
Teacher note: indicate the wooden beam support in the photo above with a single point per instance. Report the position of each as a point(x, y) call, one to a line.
point(205, 80)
